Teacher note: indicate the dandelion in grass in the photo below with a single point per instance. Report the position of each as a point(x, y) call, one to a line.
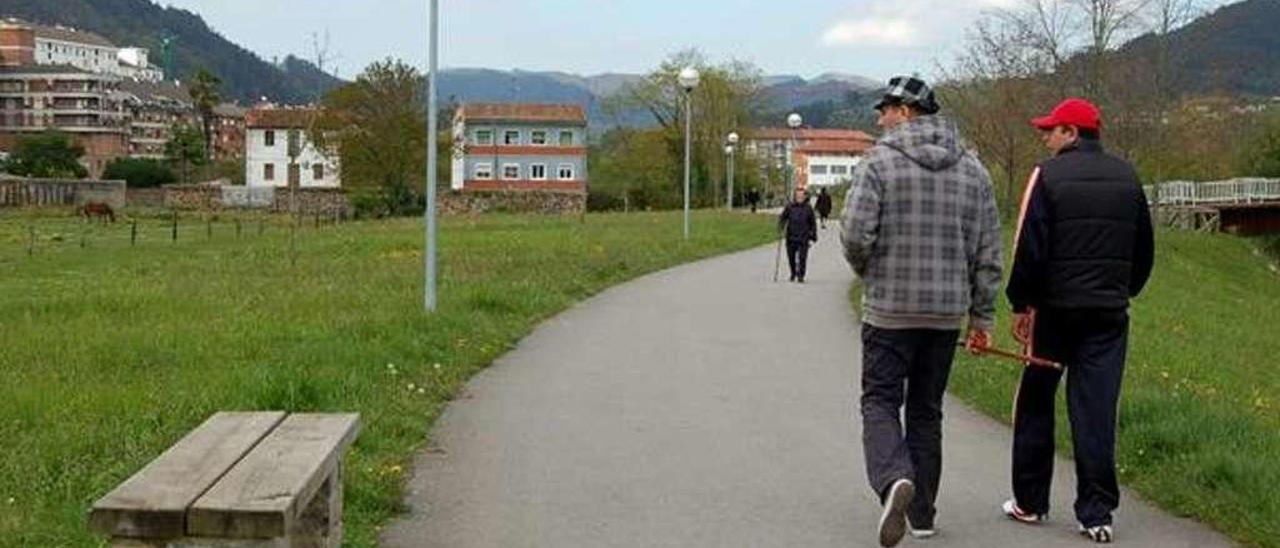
point(436, 366)
point(412, 387)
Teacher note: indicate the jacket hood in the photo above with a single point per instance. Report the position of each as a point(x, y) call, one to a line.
point(927, 140)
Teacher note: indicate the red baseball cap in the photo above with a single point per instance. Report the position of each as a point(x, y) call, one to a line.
point(1071, 112)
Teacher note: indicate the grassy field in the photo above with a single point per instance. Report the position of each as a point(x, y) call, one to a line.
point(111, 351)
point(1200, 415)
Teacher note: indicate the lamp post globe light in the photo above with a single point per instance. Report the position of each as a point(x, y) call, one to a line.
point(729, 150)
point(688, 79)
point(793, 121)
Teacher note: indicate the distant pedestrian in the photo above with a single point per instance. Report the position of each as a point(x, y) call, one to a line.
point(753, 198)
point(1084, 247)
point(921, 231)
point(800, 226)
point(823, 206)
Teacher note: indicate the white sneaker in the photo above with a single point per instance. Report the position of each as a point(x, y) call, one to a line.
point(920, 533)
point(1101, 534)
point(1016, 513)
point(893, 521)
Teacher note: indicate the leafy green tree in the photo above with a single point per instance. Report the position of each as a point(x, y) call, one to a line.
point(723, 102)
point(206, 95)
point(377, 126)
point(185, 149)
point(139, 172)
point(50, 154)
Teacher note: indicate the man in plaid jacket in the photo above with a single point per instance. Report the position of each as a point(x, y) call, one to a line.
point(922, 232)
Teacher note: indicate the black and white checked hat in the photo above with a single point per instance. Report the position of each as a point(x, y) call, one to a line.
point(909, 90)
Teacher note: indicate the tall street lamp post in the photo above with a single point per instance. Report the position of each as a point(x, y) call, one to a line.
point(429, 297)
point(729, 149)
point(793, 121)
point(688, 80)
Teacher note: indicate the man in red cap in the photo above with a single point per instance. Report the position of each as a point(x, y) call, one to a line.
point(1084, 247)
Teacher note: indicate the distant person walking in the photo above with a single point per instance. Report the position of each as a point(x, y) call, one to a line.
point(921, 231)
point(1084, 247)
point(753, 198)
point(823, 206)
point(800, 226)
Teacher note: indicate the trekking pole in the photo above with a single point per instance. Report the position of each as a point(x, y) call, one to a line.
point(1025, 358)
point(777, 258)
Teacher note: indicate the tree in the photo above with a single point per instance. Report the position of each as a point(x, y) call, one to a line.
point(377, 126)
point(185, 149)
point(139, 172)
point(206, 95)
point(50, 154)
point(723, 102)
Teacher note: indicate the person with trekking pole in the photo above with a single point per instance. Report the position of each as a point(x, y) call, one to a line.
point(921, 231)
point(798, 224)
point(1084, 247)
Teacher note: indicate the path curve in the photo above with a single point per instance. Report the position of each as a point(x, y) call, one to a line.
point(706, 406)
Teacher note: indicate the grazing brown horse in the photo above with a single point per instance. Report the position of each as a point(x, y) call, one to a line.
point(100, 210)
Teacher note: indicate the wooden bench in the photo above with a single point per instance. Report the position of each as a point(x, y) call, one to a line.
point(247, 480)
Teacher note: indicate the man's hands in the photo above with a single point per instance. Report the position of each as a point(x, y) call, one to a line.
point(1024, 326)
point(978, 340)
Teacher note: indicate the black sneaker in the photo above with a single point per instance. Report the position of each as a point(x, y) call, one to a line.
point(893, 521)
point(1101, 534)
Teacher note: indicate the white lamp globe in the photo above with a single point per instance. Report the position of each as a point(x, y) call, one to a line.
point(728, 149)
point(794, 120)
point(733, 138)
point(689, 78)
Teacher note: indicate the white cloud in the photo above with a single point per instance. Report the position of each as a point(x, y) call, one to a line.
point(871, 31)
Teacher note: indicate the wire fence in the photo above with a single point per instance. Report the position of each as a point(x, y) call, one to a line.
point(34, 233)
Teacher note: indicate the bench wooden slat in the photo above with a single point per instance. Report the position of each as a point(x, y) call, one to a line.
point(267, 491)
point(153, 503)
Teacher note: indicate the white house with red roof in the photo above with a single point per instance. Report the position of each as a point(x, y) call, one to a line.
point(822, 157)
point(519, 146)
point(268, 132)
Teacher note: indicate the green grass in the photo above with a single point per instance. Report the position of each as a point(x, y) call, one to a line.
point(1199, 429)
point(111, 352)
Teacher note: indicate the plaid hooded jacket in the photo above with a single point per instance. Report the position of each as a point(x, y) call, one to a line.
point(921, 230)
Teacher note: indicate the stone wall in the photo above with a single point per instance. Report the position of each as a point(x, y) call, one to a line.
point(145, 197)
point(22, 192)
point(525, 201)
point(209, 197)
point(325, 201)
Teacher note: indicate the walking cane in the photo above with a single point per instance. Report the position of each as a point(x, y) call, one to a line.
point(1025, 358)
point(777, 258)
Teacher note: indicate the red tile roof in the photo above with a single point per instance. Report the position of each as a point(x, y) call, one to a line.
point(828, 145)
point(297, 118)
point(809, 134)
point(524, 112)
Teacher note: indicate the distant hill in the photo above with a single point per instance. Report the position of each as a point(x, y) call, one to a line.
point(825, 93)
point(1234, 50)
point(141, 23)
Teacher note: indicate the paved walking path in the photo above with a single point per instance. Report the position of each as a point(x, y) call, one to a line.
point(706, 406)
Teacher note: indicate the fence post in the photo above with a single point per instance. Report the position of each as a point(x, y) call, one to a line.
point(31, 240)
point(237, 228)
point(133, 233)
point(175, 225)
point(260, 226)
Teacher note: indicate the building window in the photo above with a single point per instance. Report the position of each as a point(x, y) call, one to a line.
point(538, 137)
point(566, 138)
point(269, 138)
point(510, 172)
point(484, 137)
point(484, 171)
point(538, 172)
point(565, 172)
point(317, 172)
point(269, 172)
point(818, 170)
point(511, 137)
point(839, 170)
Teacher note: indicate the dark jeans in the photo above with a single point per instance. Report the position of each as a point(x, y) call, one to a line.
point(911, 365)
point(797, 257)
point(1091, 345)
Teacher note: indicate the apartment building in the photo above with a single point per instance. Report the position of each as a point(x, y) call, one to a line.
point(519, 146)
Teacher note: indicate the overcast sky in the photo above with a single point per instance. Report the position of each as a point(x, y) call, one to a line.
point(873, 38)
